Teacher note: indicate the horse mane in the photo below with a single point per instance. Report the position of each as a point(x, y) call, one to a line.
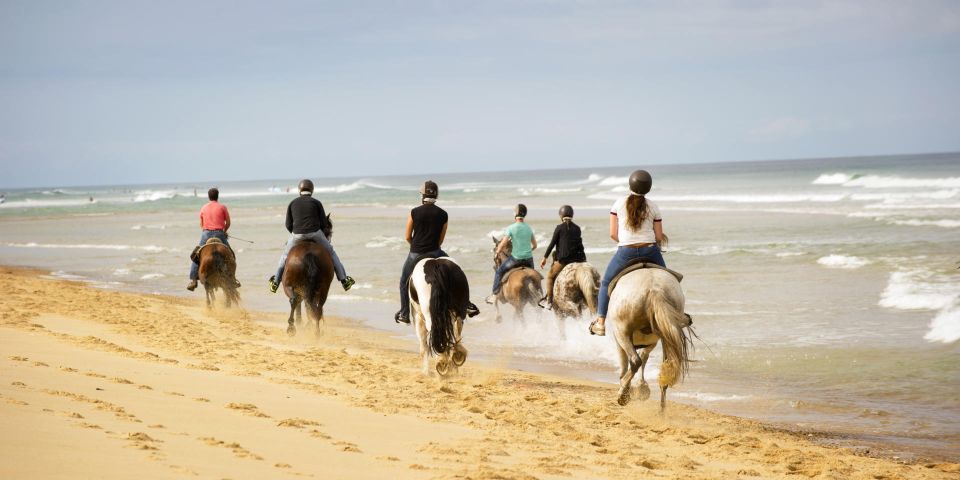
point(449, 294)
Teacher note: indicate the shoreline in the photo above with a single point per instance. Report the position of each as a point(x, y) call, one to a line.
point(220, 384)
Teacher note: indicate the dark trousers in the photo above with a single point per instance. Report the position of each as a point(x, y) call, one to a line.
point(405, 272)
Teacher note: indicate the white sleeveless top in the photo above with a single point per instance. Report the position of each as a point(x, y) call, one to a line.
point(645, 233)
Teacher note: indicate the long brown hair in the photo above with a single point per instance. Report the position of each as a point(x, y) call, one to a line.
point(636, 211)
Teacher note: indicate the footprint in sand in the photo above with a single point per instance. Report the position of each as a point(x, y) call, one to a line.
point(247, 409)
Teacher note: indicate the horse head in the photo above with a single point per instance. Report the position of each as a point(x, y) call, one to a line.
point(328, 228)
point(498, 258)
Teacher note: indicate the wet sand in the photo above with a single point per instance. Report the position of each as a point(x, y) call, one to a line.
point(104, 384)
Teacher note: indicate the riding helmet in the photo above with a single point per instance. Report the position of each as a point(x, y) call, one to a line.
point(520, 211)
point(429, 189)
point(305, 186)
point(566, 211)
point(640, 182)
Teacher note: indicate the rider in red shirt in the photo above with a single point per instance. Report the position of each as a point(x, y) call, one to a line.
point(214, 221)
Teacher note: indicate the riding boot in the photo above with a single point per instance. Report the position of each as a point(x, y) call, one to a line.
point(401, 317)
point(472, 310)
point(192, 285)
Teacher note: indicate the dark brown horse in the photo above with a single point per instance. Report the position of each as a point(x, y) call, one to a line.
point(306, 279)
point(218, 269)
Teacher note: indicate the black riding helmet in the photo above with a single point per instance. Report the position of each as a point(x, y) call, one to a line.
point(305, 186)
point(429, 189)
point(566, 211)
point(640, 182)
point(520, 211)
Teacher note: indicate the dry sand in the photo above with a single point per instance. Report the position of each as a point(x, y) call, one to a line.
point(103, 384)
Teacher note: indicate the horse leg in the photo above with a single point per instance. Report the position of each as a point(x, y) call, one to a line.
point(294, 307)
point(496, 305)
point(643, 391)
point(663, 398)
point(299, 314)
point(625, 345)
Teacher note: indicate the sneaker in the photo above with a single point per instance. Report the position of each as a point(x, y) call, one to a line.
point(492, 299)
point(273, 284)
point(597, 329)
point(401, 317)
point(236, 283)
point(347, 283)
point(192, 285)
point(472, 310)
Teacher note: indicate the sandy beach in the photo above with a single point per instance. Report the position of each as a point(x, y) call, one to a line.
point(105, 384)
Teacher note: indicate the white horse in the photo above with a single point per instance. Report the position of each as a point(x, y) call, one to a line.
point(441, 286)
point(647, 306)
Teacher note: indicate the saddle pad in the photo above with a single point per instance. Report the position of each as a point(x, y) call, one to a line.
point(506, 276)
point(213, 240)
point(637, 265)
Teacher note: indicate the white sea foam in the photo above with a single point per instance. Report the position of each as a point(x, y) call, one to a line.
point(153, 196)
point(151, 276)
point(790, 254)
point(385, 241)
point(146, 248)
point(833, 179)
point(121, 272)
point(704, 251)
point(879, 181)
point(31, 203)
point(842, 261)
point(945, 327)
point(711, 397)
point(918, 290)
point(760, 198)
point(945, 223)
point(66, 276)
point(613, 181)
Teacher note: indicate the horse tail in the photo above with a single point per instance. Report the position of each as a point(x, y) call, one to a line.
point(313, 273)
point(532, 289)
point(668, 323)
point(449, 296)
point(588, 280)
point(226, 278)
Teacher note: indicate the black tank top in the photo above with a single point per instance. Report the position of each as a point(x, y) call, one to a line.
point(428, 222)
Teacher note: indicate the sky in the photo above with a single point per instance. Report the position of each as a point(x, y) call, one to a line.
point(117, 92)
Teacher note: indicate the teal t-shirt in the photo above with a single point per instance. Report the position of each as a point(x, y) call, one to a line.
point(521, 235)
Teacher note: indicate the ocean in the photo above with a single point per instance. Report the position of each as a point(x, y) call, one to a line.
point(825, 292)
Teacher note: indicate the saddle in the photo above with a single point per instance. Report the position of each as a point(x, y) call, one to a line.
point(637, 264)
point(506, 276)
point(195, 254)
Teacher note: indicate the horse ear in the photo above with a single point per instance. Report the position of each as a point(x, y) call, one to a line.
point(495, 241)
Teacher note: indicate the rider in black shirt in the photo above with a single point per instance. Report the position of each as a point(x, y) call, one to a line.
point(426, 229)
point(569, 243)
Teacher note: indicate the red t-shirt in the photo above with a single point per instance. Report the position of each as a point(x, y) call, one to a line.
point(214, 216)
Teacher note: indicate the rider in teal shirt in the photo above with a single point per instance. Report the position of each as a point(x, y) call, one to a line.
point(521, 236)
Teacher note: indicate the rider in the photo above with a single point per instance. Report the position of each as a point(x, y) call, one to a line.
point(305, 221)
point(636, 226)
point(569, 243)
point(214, 221)
point(521, 235)
point(426, 229)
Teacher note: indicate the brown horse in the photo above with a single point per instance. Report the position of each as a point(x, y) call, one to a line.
point(218, 269)
point(306, 278)
point(521, 286)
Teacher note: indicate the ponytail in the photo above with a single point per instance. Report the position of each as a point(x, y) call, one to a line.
point(636, 211)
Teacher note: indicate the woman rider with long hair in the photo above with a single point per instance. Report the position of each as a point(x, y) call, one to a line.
point(636, 226)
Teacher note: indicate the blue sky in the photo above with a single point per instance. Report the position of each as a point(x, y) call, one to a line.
point(143, 92)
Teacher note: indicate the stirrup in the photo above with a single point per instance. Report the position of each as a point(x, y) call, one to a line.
point(347, 283)
point(401, 318)
point(273, 284)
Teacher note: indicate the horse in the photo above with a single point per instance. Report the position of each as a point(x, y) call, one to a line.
point(443, 288)
point(520, 286)
point(574, 290)
point(647, 306)
point(307, 275)
point(218, 269)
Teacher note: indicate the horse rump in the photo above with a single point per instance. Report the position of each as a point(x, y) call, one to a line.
point(314, 294)
point(449, 297)
point(223, 275)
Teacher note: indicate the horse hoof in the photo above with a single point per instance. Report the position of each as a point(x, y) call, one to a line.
point(443, 368)
point(623, 399)
point(291, 330)
point(459, 356)
point(643, 392)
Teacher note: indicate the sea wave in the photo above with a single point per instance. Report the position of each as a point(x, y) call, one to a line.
point(918, 290)
point(153, 196)
point(945, 223)
point(883, 181)
point(613, 181)
point(842, 261)
point(152, 276)
point(84, 246)
point(32, 203)
point(945, 327)
point(385, 241)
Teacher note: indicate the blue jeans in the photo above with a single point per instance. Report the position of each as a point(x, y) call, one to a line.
point(318, 237)
point(619, 261)
point(194, 266)
point(405, 272)
point(507, 264)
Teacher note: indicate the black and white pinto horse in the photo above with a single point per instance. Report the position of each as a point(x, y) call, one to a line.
point(439, 296)
point(647, 307)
